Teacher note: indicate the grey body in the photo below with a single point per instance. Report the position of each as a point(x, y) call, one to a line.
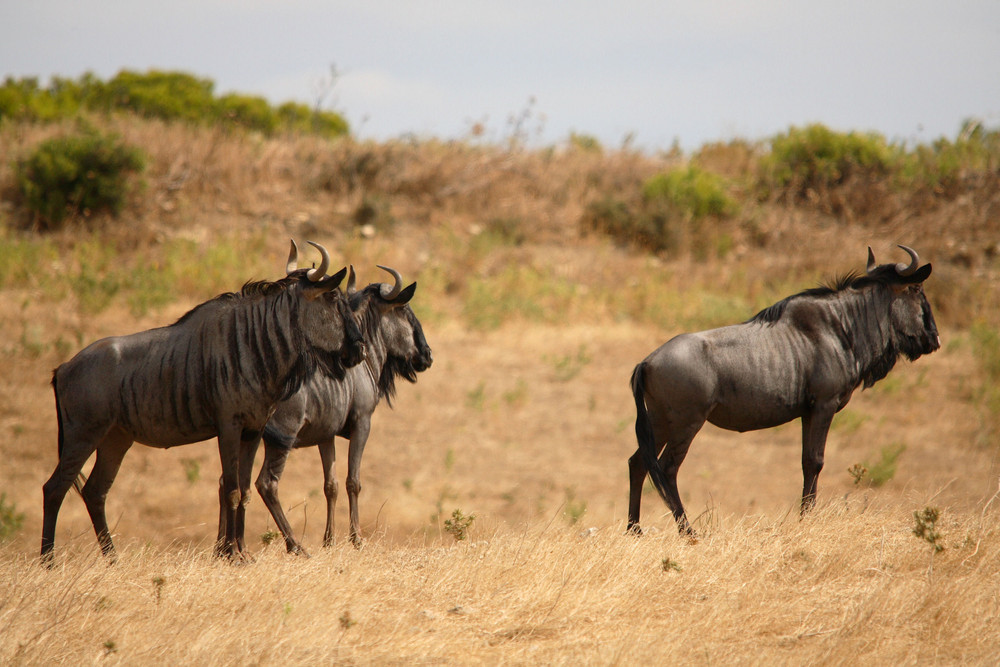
point(799, 359)
point(219, 371)
point(326, 407)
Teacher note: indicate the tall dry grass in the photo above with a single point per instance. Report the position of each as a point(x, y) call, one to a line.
point(850, 584)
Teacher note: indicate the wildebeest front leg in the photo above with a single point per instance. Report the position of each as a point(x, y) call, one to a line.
point(110, 453)
point(815, 427)
point(229, 492)
point(359, 437)
point(248, 450)
point(275, 457)
point(328, 455)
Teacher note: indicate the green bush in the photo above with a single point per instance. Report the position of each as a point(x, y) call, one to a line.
point(156, 94)
point(691, 192)
point(668, 211)
point(25, 99)
point(296, 117)
point(78, 174)
point(941, 165)
point(160, 94)
point(253, 113)
point(817, 158)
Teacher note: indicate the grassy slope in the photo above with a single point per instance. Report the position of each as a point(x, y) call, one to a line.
point(524, 420)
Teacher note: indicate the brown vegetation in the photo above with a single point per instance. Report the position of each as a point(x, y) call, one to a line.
point(525, 420)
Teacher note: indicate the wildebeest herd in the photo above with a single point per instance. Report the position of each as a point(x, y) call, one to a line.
point(298, 361)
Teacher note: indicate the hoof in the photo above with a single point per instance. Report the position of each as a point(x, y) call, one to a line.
point(235, 555)
point(634, 530)
point(298, 550)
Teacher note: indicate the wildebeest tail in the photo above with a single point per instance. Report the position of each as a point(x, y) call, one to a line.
point(81, 479)
point(644, 432)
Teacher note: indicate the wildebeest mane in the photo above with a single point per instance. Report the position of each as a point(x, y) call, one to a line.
point(251, 297)
point(879, 356)
point(883, 275)
point(250, 290)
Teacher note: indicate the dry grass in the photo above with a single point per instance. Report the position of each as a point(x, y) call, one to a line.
point(851, 584)
point(525, 420)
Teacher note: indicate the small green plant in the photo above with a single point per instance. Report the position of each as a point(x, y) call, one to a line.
point(158, 584)
point(458, 525)
point(884, 469)
point(11, 520)
point(346, 622)
point(569, 366)
point(77, 175)
point(110, 647)
point(475, 398)
point(518, 395)
point(573, 509)
point(858, 471)
point(670, 565)
point(192, 470)
point(925, 527)
point(269, 536)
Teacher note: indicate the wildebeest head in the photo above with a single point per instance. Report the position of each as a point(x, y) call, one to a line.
point(325, 317)
point(913, 328)
point(387, 317)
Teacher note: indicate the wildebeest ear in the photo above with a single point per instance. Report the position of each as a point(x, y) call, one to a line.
point(403, 297)
point(332, 282)
point(920, 275)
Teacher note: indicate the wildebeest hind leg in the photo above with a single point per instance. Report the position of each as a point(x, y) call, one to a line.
point(359, 436)
point(74, 454)
point(670, 462)
point(636, 479)
point(330, 487)
point(110, 453)
point(275, 456)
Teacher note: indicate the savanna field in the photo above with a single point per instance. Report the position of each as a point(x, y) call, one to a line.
point(495, 489)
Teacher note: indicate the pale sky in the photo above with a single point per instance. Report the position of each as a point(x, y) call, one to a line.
point(659, 71)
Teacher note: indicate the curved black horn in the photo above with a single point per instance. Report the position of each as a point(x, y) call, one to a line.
point(903, 269)
point(397, 288)
point(293, 258)
point(871, 261)
point(315, 275)
point(351, 281)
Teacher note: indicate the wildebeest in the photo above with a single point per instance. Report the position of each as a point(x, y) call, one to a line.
point(328, 406)
point(218, 371)
point(802, 357)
